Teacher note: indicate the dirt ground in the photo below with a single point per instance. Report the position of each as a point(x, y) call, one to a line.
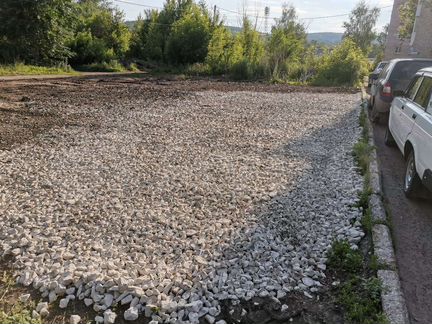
point(412, 232)
point(19, 124)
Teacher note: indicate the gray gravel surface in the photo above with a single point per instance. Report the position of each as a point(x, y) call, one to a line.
point(171, 203)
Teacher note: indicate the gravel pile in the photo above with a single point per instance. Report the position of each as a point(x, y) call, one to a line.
point(170, 204)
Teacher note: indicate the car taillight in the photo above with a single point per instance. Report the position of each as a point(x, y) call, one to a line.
point(387, 90)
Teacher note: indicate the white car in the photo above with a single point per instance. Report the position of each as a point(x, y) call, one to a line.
point(410, 127)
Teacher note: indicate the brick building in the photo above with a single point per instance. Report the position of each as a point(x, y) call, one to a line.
point(420, 43)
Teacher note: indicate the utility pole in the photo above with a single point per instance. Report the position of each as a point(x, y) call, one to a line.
point(214, 14)
point(266, 15)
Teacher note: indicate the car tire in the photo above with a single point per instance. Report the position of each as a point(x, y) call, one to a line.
point(388, 138)
point(412, 181)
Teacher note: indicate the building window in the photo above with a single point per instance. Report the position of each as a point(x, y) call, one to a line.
point(398, 49)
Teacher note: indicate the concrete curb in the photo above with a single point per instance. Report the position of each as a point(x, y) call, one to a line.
point(392, 299)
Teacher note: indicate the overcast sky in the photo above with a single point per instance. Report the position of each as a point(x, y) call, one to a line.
point(305, 9)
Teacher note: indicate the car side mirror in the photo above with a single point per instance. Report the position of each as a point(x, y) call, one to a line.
point(399, 93)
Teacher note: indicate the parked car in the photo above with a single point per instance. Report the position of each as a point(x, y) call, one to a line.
point(374, 75)
point(410, 127)
point(395, 76)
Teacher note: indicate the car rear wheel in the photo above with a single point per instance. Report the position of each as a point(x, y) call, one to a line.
point(412, 183)
point(388, 138)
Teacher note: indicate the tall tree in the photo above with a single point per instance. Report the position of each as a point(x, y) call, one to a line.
point(100, 35)
point(361, 24)
point(287, 41)
point(35, 32)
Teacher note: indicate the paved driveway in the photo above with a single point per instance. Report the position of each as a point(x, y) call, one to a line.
point(412, 233)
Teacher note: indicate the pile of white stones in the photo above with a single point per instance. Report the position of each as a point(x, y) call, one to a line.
point(172, 205)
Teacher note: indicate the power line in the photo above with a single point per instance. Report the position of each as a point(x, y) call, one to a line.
point(137, 4)
point(310, 18)
point(252, 16)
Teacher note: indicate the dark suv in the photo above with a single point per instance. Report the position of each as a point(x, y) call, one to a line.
point(395, 77)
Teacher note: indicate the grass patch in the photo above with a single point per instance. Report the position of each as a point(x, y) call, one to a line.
point(360, 292)
point(22, 69)
point(12, 311)
point(342, 258)
point(361, 298)
point(111, 66)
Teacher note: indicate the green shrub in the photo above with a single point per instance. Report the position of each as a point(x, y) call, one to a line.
point(23, 69)
point(343, 258)
point(111, 66)
point(198, 69)
point(220, 51)
point(189, 38)
point(346, 65)
point(361, 299)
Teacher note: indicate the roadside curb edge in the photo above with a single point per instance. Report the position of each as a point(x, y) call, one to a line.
point(392, 299)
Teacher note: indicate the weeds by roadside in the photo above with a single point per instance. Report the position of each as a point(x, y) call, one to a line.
point(12, 310)
point(360, 292)
point(22, 69)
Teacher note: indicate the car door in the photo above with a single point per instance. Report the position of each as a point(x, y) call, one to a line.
point(421, 135)
point(400, 122)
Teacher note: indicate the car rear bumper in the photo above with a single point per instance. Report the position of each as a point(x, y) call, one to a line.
point(427, 179)
point(381, 105)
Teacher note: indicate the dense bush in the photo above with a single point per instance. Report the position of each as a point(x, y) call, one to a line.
point(189, 37)
point(35, 32)
point(343, 66)
point(100, 35)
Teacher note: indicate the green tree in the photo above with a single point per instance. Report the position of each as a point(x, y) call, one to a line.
point(378, 47)
point(344, 66)
point(286, 43)
point(35, 32)
point(101, 34)
point(189, 37)
point(220, 50)
point(361, 24)
point(247, 53)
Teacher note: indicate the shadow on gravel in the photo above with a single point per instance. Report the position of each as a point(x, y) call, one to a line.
point(319, 149)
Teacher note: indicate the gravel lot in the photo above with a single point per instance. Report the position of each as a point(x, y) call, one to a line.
point(170, 201)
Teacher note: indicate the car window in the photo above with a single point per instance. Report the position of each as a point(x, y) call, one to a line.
point(381, 65)
point(385, 71)
point(429, 108)
point(423, 95)
point(403, 71)
point(415, 84)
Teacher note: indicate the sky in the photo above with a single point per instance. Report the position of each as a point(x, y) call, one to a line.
point(231, 9)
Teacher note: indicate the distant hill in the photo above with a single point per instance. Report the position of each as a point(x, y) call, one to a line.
point(325, 38)
point(321, 38)
point(130, 23)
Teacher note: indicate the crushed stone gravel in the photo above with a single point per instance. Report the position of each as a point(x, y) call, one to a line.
point(172, 203)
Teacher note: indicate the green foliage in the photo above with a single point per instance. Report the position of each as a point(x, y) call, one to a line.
point(247, 54)
point(361, 300)
point(35, 32)
point(110, 66)
point(343, 258)
point(100, 35)
point(286, 46)
point(22, 69)
point(220, 54)
point(360, 27)
point(189, 37)
point(346, 65)
point(19, 314)
point(407, 13)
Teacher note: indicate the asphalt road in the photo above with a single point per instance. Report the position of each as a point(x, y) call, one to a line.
point(412, 232)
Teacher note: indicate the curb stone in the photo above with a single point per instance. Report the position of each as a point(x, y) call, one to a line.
point(392, 299)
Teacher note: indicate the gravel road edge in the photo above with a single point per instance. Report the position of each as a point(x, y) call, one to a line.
point(392, 299)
